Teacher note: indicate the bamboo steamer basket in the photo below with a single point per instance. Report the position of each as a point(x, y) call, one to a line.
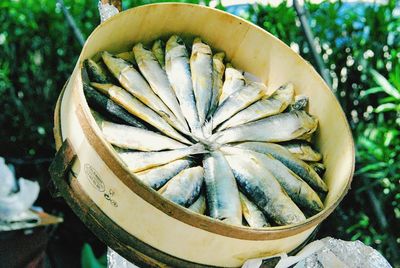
point(133, 219)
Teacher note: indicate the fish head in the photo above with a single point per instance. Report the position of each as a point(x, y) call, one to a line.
point(141, 53)
point(232, 73)
point(174, 41)
point(114, 64)
point(309, 122)
point(175, 48)
point(285, 93)
point(200, 48)
point(219, 56)
point(90, 64)
point(158, 45)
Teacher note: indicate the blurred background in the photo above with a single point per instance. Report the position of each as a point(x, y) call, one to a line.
point(358, 41)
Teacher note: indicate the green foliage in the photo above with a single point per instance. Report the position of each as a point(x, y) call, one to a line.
point(360, 46)
point(89, 260)
point(38, 52)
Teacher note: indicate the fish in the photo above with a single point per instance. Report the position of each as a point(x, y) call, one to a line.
point(276, 128)
point(298, 190)
point(298, 166)
point(96, 71)
point(156, 177)
point(179, 75)
point(199, 206)
point(138, 109)
point(127, 56)
point(237, 101)
point(158, 80)
point(158, 50)
point(221, 189)
point(252, 214)
point(99, 118)
point(266, 106)
point(217, 75)
point(135, 138)
point(234, 80)
point(261, 187)
point(109, 108)
point(135, 84)
point(184, 188)
point(201, 66)
point(303, 151)
point(300, 103)
point(318, 167)
point(139, 161)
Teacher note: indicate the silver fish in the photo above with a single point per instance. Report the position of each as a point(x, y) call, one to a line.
point(96, 71)
point(158, 50)
point(135, 84)
point(252, 214)
point(185, 187)
point(221, 189)
point(299, 191)
point(218, 73)
point(267, 106)
point(276, 128)
point(201, 67)
point(135, 138)
point(139, 161)
point(237, 101)
point(156, 177)
point(109, 108)
point(199, 206)
point(178, 71)
point(138, 109)
point(234, 80)
point(298, 166)
point(158, 80)
point(303, 151)
point(261, 187)
point(318, 167)
point(127, 56)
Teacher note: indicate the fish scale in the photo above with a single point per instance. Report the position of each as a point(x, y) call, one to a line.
point(158, 80)
point(179, 75)
point(201, 67)
point(221, 189)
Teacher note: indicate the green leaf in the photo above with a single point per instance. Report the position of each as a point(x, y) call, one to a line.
point(89, 260)
point(387, 107)
point(386, 86)
point(370, 167)
point(370, 91)
point(387, 100)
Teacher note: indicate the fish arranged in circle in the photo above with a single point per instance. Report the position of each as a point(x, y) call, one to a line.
point(193, 127)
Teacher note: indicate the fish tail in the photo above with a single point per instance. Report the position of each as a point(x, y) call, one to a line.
point(198, 148)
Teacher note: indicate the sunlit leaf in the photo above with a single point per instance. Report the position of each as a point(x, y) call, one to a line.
point(386, 86)
point(387, 107)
